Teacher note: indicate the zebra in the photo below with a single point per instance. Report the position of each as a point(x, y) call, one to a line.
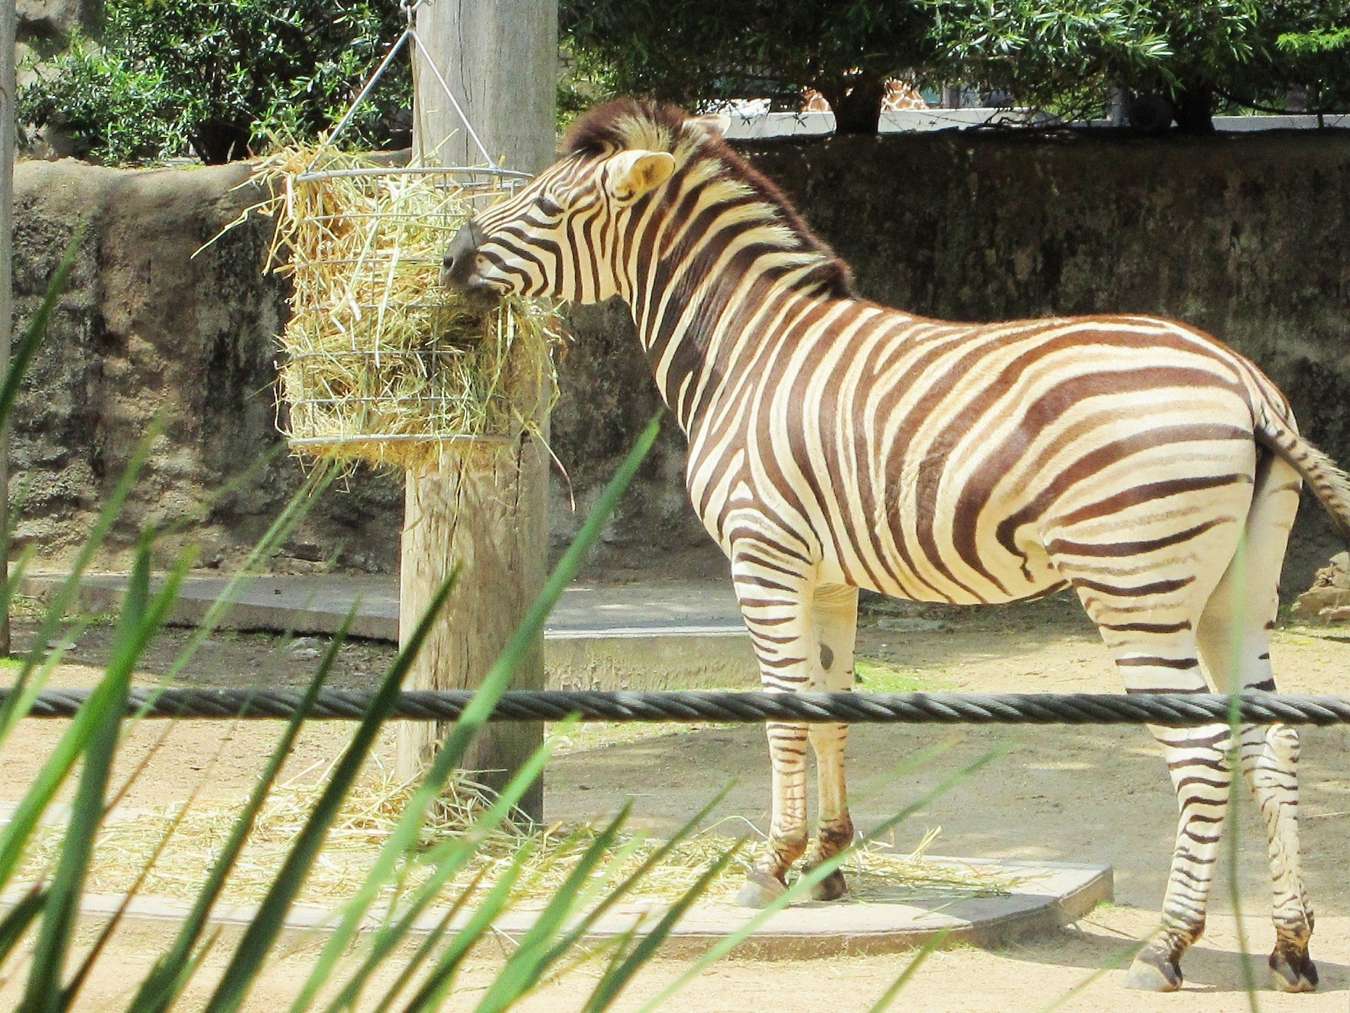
point(836, 444)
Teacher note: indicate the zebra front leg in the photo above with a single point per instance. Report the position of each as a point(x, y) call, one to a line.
point(835, 611)
point(774, 603)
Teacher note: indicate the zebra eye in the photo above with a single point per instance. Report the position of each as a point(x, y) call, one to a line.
point(547, 206)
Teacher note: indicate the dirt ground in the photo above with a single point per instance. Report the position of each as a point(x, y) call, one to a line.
point(1077, 794)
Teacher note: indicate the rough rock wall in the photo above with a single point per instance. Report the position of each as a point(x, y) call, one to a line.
point(57, 20)
point(1245, 236)
point(151, 332)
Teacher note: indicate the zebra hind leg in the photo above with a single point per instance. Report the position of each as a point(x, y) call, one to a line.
point(1151, 638)
point(1234, 640)
point(1197, 759)
point(835, 610)
point(1270, 764)
point(1144, 576)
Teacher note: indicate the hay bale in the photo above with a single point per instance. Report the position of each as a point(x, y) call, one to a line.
point(381, 363)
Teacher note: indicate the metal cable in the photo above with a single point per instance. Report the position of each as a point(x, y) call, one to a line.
point(1174, 709)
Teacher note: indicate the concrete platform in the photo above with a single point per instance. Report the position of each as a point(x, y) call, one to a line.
point(1048, 895)
point(653, 635)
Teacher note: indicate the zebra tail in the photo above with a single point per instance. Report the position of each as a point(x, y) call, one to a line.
point(1329, 483)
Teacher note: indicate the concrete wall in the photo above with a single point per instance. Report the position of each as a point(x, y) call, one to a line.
point(1246, 236)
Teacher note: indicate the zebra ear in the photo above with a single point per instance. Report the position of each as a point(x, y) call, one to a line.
point(634, 173)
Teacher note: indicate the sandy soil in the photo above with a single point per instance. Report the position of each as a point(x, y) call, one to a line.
point(1089, 794)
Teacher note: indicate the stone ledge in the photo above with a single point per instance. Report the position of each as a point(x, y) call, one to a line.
point(657, 635)
point(1048, 895)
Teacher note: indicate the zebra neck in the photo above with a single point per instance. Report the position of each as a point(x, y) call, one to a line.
point(701, 336)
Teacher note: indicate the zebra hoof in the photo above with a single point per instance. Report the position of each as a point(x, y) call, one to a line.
point(832, 887)
point(760, 889)
point(1154, 972)
point(1293, 972)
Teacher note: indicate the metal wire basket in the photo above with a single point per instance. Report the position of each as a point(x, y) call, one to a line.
point(381, 363)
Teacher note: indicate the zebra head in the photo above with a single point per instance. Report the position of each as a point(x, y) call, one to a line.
point(556, 237)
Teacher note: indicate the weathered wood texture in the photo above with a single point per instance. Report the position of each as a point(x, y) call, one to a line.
point(486, 512)
point(8, 19)
point(501, 61)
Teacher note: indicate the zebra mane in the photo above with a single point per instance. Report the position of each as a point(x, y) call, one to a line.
point(653, 126)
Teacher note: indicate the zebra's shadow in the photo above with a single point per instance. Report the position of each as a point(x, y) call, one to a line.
point(1210, 969)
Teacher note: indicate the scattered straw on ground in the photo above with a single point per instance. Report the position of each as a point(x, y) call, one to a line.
point(370, 814)
point(382, 363)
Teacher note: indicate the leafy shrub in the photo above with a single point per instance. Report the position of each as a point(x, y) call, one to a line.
point(1202, 58)
point(217, 78)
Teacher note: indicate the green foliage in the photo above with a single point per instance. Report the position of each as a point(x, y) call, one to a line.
point(217, 78)
point(1062, 56)
point(1203, 57)
point(1312, 51)
point(693, 51)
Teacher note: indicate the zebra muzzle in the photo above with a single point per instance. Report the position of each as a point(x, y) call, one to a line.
point(457, 266)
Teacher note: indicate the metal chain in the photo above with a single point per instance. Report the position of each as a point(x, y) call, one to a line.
point(1172, 709)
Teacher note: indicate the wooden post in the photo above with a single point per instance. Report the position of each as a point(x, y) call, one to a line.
point(8, 25)
point(486, 511)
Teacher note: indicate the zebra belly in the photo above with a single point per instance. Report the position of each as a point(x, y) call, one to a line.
point(1016, 587)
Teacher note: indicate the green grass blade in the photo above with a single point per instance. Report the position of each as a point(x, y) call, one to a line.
point(1237, 776)
point(426, 947)
point(623, 889)
point(267, 923)
point(105, 935)
point(448, 858)
point(608, 988)
point(44, 990)
point(296, 510)
point(475, 715)
point(622, 946)
point(142, 765)
point(22, 695)
point(156, 992)
point(930, 946)
point(526, 964)
point(1115, 961)
point(441, 978)
point(61, 601)
point(53, 772)
point(808, 879)
point(19, 917)
point(21, 355)
point(190, 966)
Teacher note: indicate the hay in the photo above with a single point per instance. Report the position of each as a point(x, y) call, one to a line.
point(382, 363)
point(370, 813)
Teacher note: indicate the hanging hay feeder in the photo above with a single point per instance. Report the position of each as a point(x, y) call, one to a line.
point(381, 362)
